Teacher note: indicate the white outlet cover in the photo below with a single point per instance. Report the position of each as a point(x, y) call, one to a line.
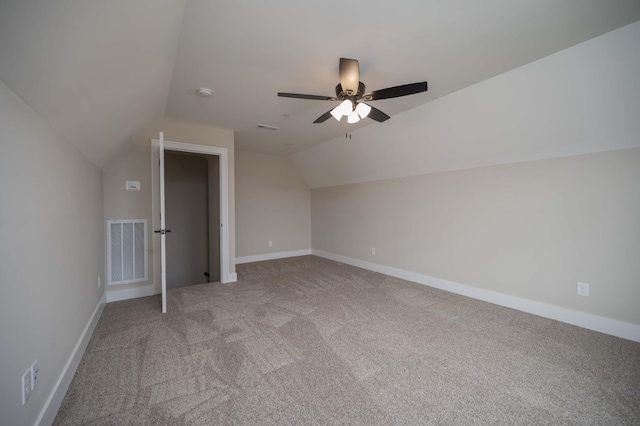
point(25, 385)
point(583, 289)
point(35, 373)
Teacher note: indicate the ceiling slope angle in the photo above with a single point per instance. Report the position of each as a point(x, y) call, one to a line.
point(98, 72)
point(101, 73)
point(581, 100)
point(248, 53)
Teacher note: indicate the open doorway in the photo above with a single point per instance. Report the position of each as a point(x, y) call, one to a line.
point(158, 148)
point(192, 199)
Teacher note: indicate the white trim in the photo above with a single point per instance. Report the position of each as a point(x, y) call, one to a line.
point(233, 277)
point(116, 294)
point(223, 153)
point(271, 256)
point(52, 404)
point(163, 226)
point(581, 319)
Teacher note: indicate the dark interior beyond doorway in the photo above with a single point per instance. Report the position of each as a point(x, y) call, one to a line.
point(193, 215)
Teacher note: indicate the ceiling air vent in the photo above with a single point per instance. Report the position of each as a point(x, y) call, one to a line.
point(264, 126)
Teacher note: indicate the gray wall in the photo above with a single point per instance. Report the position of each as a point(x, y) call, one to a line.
point(187, 210)
point(273, 204)
point(529, 229)
point(522, 184)
point(51, 253)
point(134, 163)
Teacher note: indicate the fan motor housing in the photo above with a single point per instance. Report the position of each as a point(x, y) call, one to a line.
point(342, 94)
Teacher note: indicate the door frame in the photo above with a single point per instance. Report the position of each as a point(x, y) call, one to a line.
point(223, 154)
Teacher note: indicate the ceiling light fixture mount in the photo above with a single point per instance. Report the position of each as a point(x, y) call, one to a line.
point(204, 92)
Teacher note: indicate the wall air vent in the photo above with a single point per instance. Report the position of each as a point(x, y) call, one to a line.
point(126, 251)
point(264, 126)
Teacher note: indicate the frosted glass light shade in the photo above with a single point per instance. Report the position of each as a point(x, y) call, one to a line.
point(363, 109)
point(344, 108)
point(353, 117)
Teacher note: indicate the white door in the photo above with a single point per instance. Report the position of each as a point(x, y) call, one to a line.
point(163, 231)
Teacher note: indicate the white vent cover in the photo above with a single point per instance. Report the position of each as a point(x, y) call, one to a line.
point(266, 126)
point(126, 251)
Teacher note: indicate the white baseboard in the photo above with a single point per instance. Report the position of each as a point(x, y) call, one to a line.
point(233, 277)
point(271, 256)
point(115, 295)
point(52, 405)
point(581, 319)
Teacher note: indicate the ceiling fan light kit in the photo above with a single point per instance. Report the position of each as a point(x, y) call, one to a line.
point(353, 117)
point(353, 114)
point(346, 107)
point(363, 109)
point(351, 93)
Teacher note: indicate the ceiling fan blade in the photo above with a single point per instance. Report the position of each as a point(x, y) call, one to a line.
point(376, 114)
point(312, 97)
point(396, 92)
point(324, 117)
point(349, 75)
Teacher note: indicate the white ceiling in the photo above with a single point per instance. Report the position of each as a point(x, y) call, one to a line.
point(101, 72)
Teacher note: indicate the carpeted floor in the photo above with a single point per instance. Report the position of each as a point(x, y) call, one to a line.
point(306, 341)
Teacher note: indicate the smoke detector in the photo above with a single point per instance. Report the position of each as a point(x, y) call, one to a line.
point(204, 92)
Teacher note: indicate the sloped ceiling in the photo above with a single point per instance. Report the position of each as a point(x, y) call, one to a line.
point(581, 100)
point(101, 72)
point(98, 71)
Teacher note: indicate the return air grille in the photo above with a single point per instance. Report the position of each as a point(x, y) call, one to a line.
point(126, 251)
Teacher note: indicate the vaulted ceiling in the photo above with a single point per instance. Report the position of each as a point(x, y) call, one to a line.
point(102, 72)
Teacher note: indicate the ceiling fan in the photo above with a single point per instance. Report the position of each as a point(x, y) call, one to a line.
point(351, 94)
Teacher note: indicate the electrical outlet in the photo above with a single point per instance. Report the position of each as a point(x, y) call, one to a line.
point(25, 384)
point(270, 243)
point(35, 372)
point(583, 289)
point(373, 251)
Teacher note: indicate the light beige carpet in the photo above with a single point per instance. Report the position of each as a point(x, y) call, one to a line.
point(307, 341)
